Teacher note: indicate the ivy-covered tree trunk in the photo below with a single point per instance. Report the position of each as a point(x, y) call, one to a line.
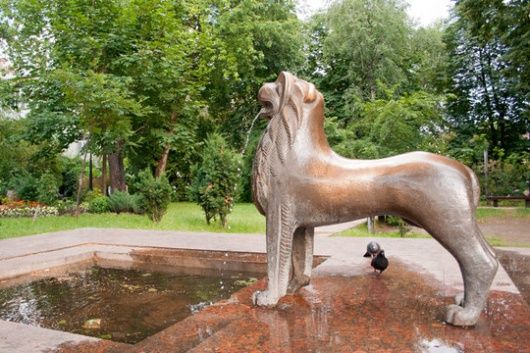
point(162, 162)
point(117, 169)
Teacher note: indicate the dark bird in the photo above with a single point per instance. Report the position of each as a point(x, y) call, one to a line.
point(380, 262)
point(372, 249)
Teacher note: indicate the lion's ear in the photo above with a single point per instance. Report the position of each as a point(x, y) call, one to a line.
point(311, 93)
point(285, 80)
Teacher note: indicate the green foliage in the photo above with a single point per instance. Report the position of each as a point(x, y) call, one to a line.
point(69, 171)
point(64, 206)
point(14, 151)
point(508, 176)
point(155, 193)
point(215, 178)
point(100, 204)
point(412, 122)
point(122, 201)
point(381, 77)
point(26, 187)
point(396, 221)
point(363, 46)
point(47, 189)
point(90, 195)
point(487, 96)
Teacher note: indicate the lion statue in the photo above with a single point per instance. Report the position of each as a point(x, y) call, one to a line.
point(299, 183)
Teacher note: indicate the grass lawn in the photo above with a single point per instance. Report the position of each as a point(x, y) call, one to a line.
point(362, 231)
point(186, 216)
point(182, 216)
point(489, 212)
point(484, 215)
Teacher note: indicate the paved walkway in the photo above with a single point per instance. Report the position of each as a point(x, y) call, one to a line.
point(326, 231)
point(38, 252)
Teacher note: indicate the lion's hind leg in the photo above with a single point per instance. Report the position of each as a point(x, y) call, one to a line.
point(302, 258)
point(477, 263)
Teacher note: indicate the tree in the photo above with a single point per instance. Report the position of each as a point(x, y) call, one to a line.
point(215, 179)
point(169, 69)
point(364, 47)
point(383, 79)
point(253, 41)
point(484, 99)
point(156, 194)
point(69, 49)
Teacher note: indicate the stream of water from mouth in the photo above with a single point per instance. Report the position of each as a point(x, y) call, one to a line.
point(247, 139)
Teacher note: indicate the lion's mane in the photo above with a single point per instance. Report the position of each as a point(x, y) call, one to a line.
point(278, 138)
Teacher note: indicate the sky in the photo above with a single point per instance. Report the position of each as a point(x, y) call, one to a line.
point(424, 12)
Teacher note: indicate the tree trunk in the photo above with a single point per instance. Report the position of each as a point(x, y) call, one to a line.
point(104, 175)
point(80, 187)
point(489, 106)
point(117, 169)
point(90, 175)
point(162, 163)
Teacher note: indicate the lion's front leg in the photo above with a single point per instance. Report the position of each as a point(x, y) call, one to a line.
point(280, 228)
point(302, 258)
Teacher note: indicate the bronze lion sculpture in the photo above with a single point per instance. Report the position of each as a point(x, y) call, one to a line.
point(299, 183)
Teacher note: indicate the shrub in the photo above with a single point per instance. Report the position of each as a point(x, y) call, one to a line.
point(47, 189)
point(71, 167)
point(99, 204)
point(214, 180)
point(90, 195)
point(155, 194)
point(65, 206)
point(396, 221)
point(121, 201)
point(506, 177)
point(25, 187)
point(137, 204)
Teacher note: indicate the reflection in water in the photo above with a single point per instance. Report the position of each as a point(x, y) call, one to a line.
point(436, 346)
point(396, 312)
point(122, 305)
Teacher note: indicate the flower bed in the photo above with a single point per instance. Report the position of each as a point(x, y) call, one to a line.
point(26, 209)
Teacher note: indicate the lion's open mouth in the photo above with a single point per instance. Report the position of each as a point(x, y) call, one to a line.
point(269, 99)
point(268, 109)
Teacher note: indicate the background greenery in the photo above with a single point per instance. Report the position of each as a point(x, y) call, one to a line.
point(145, 82)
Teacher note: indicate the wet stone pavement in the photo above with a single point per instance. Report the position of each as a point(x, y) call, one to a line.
point(398, 311)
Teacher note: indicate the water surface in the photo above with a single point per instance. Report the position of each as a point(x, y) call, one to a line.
point(122, 305)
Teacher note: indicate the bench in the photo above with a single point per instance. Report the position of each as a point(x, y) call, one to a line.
point(496, 199)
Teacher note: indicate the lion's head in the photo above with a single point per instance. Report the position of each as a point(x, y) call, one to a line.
point(286, 90)
point(285, 103)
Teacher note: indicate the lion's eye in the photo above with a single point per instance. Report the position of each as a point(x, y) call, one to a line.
point(279, 90)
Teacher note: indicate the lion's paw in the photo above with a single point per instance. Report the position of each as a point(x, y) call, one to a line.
point(297, 283)
point(459, 316)
point(264, 298)
point(459, 299)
